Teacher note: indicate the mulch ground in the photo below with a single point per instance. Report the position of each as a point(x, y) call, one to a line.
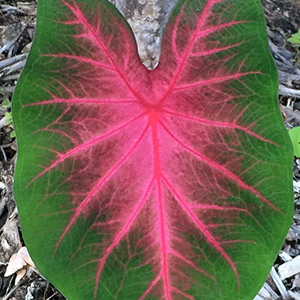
point(17, 29)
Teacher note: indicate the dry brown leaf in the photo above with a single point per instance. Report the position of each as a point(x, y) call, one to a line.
point(19, 263)
point(15, 263)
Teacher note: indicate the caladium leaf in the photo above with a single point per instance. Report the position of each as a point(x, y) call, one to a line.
point(174, 183)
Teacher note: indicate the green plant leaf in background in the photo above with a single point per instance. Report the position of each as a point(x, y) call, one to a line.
point(6, 103)
point(168, 184)
point(295, 138)
point(9, 121)
point(295, 39)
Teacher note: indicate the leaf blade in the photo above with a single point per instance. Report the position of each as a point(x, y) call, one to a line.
point(122, 185)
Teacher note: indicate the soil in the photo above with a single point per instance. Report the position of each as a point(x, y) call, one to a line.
point(17, 29)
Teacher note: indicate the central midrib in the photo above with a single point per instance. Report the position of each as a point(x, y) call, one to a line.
point(163, 230)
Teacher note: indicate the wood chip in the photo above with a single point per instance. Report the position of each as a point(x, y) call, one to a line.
point(270, 291)
point(277, 280)
point(294, 295)
point(263, 294)
point(266, 293)
point(284, 256)
point(289, 268)
point(285, 91)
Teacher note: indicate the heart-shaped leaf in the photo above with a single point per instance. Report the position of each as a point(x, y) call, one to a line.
point(168, 184)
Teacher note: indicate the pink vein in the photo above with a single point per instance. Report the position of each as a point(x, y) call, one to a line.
point(191, 43)
point(213, 51)
point(150, 287)
point(220, 124)
point(201, 226)
point(219, 27)
point(183, 294)
point(132, 217)
point(82, 147)
point(174, 35)
point(181, 257)
point(224, 208)
point(99, 184)
point(221, 169)
point(161, 210)
point(214, 80)
point(81, 59)
point(76, 11)
point(75, 100)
